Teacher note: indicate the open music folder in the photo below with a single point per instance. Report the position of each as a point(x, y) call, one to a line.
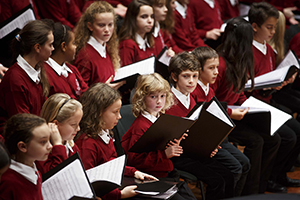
point(162, 63)
point(288, 66)
point(69, 180)
point(132, 71)
point(208, 126)
point(277, 117)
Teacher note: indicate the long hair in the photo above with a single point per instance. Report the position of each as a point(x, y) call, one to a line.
point(236, 49)
point(95, 101)
point(169, 23)
point(149, 84)
point(129, 27)
point(34, 32)
point(83, 33)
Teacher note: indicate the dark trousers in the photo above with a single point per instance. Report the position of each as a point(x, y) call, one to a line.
point(219, 180)
point(234, 160)
point(261, 149)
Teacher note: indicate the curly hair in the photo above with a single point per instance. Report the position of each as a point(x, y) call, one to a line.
point(149, 84)
point(83, 33)
point(95, 101)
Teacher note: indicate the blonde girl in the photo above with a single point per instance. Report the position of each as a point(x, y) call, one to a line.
point(64, 114)
point(101, 112)
point(27, 140)
point(97, 56)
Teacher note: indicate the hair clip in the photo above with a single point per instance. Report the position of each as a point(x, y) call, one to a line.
point(18, 37)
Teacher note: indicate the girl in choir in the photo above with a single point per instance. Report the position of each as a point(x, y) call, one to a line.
point(27, 140)
point(97, 56)
point(101, 106)
point(136, 39)
point(63, 115)
point(236, 65)
point(4, 160)
point(152, 97)
point(25, 85)
point(160, 14)
point(64, 77)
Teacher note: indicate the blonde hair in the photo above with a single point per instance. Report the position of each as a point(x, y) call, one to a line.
point(60, 107)
point(83, 33)
point(149, 84)
point(95, 101)
point(277, 41)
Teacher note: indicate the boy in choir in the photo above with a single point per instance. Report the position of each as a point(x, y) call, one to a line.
point(184, 70)
point(185, 33)
point(229, 155)
point(263, 18)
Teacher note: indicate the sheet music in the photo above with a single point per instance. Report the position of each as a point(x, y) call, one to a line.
point(278, 117)
point(251, 109)
point(18, 22)
point(165, 59)
point(215, 110)
point(110, 171)
point(288, 61)
point(142, 67)
point(196, 113)
point(66, 183)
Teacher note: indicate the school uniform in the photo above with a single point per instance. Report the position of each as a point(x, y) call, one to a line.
point(185, 34)
point(207, 15)
point(131, 52)
point(170, 42)
point(66, 12)
point(261, 148)
point(289, 132)
point(201, 95)
point(20, 91)
point(58, 154)
point(155, 163)
point(294, 44)
point(21, 182)
point(11, 7)
point(158, 39)
point(97, 151)
point(229, 9)
point(64, 79)
point(94, 63)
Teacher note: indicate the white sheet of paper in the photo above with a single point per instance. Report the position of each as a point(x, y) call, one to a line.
point(215, 110)
point(142, 67)
point(165, 59)
point(110, 171)
point(251, 109)
point(289, 60)
point(64, 184)
point(278, 117)
point(18, 22)
point(195, 114)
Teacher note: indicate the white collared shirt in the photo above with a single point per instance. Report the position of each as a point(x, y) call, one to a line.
point(205, 88)
point(68, 148)
point(97, 46)
point(33, 74)
point(211, 3)
point(31, 174)
point(181, 9)
point(104, 135)
point(59, 69)
point(185, 100)
point(156, 29)
point(261, 47)
point(150, 117)
point(143, 43)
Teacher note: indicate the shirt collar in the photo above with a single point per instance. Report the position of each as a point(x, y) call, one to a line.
point(185, 100)
point(97, 46)
point(33, 74)
point(204, 87)
point(211, 3)
point(261, 47)
point(181, 9)
point(104, 135)
point(156, 29)
point(28, 172)
point(59, 69)
point(68, 148)
point(143, 43)
point(150, 117)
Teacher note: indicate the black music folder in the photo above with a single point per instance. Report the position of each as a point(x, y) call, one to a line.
point(162, 63)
